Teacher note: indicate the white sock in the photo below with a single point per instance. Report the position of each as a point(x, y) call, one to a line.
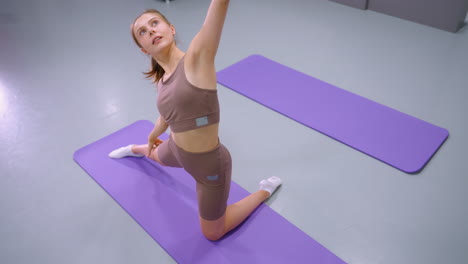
point(124, 152)
point(270, 184)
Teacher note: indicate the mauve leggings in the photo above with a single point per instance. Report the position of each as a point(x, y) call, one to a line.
point(211, 170)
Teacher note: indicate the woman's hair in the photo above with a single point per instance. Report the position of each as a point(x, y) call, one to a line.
point(156, 72)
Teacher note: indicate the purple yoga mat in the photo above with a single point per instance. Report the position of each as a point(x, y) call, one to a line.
point(163, 201)
point(393, 137)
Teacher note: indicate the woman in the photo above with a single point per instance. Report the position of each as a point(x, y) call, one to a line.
point(188, 104)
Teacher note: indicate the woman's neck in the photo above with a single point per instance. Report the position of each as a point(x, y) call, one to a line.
point(170, 60)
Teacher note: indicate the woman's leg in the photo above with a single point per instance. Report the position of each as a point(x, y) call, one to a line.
point(143, 149)
point(140, 149)
point(217, 219)
point(236, 213)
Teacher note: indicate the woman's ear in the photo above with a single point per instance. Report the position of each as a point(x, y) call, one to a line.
point(144, 51)
point(173, 30)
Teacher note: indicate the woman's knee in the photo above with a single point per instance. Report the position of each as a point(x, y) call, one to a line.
point(213, 236)
point(154, 156)
point(164, 152)
point(213, 230)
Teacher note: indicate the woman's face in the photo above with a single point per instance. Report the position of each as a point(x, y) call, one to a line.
point(153, 33)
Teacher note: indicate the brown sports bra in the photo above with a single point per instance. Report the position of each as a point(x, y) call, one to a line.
point(185, 106)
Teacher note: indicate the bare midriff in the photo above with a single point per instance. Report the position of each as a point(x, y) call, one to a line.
point(198, 140)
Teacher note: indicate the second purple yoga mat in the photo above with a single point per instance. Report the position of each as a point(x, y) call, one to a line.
point(393, 137)
point(163, 201)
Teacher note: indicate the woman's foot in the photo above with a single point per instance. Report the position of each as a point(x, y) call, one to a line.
point(270, 184)
point(124, 152)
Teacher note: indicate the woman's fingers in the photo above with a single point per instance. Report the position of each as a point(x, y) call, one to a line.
point(150, 149)
point(153, 145)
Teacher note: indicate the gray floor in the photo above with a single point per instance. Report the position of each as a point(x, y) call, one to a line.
point(70, 74)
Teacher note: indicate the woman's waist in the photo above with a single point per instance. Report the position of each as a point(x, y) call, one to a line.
point(197, 140)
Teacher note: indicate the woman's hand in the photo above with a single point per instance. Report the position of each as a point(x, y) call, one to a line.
point(153, 143)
